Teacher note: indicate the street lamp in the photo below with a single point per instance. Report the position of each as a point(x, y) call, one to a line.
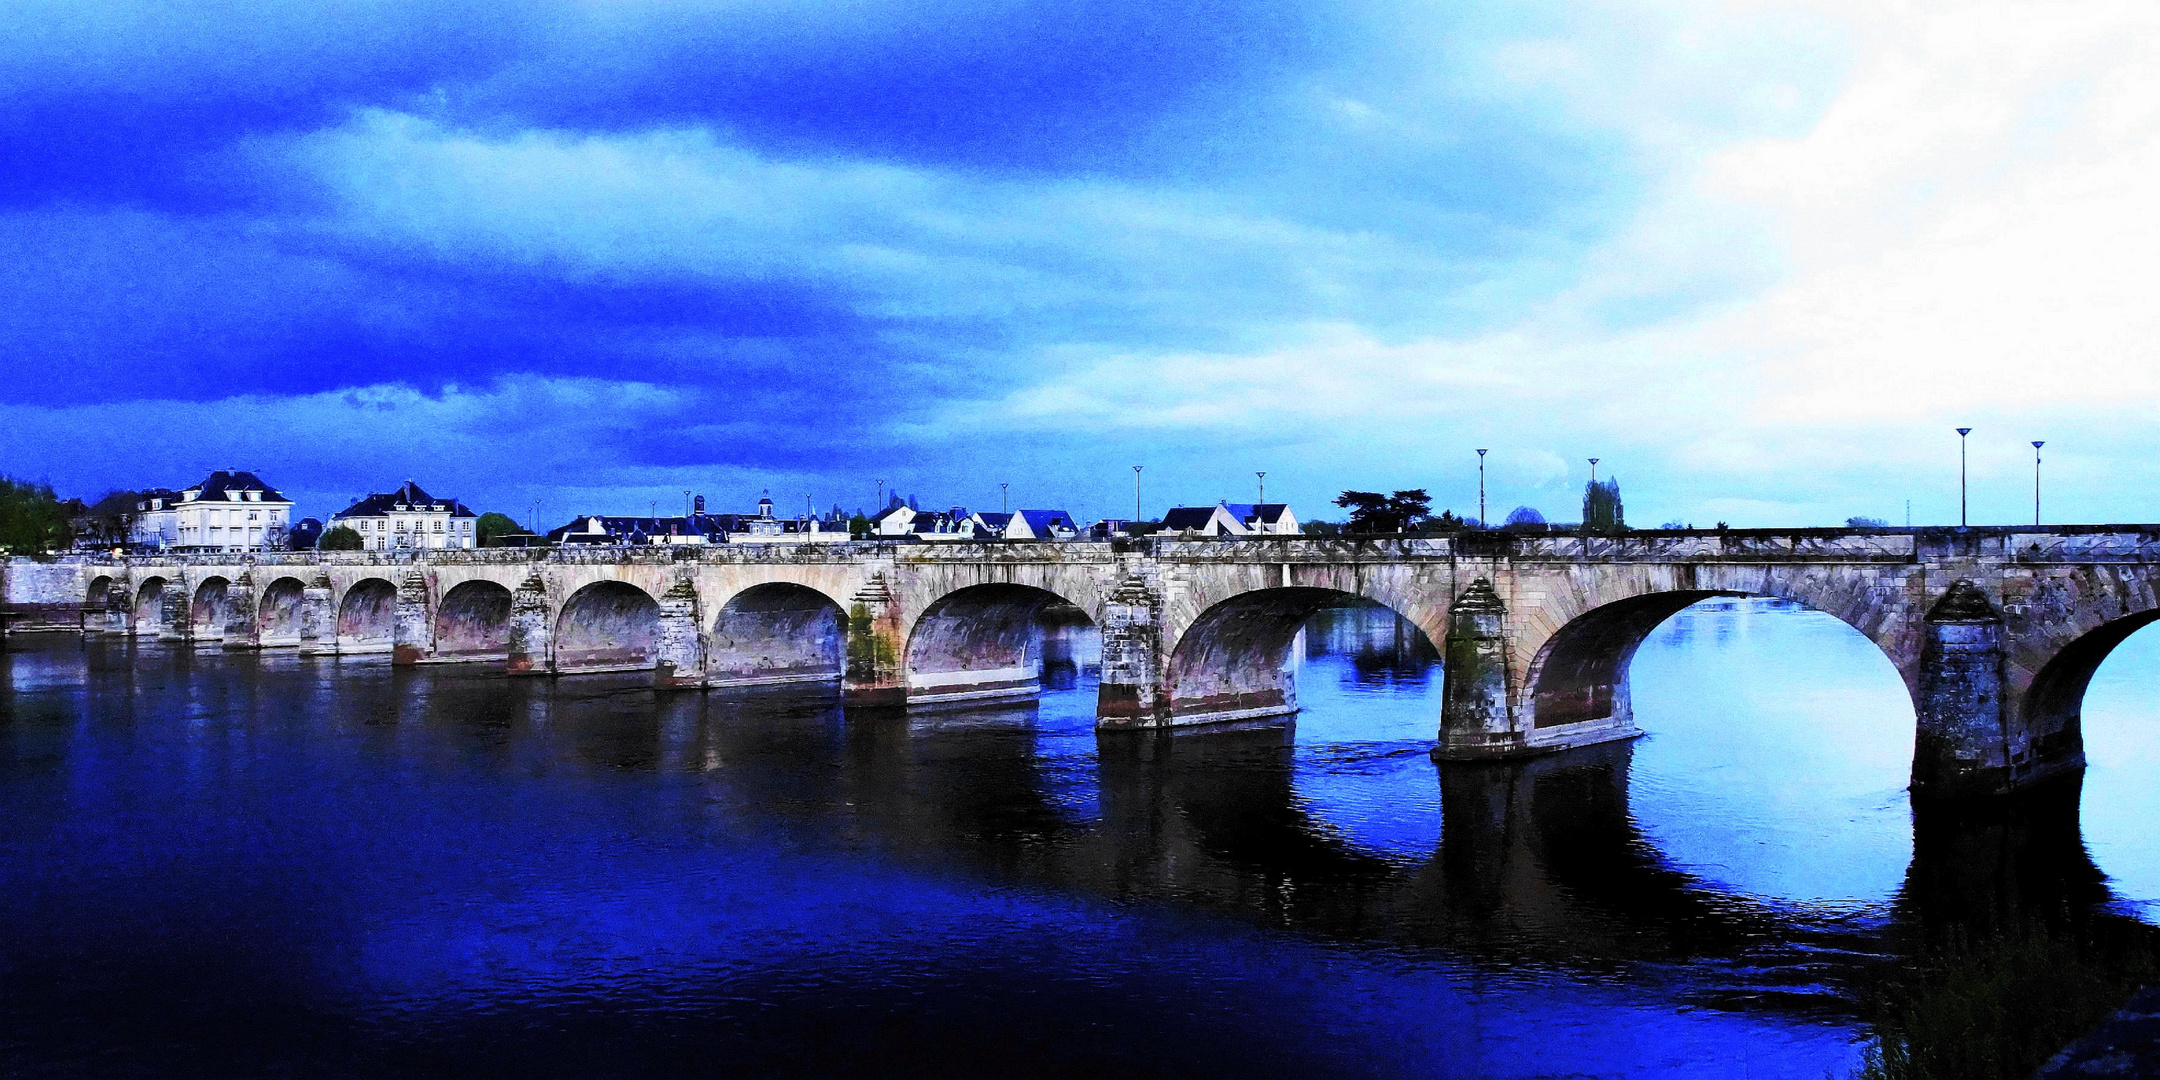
point(1136, 493)
point(1593, 470)
point(2037, 444)
point(1263, 486)
point(1481, 489)
point(1001, 498)
point(880, 498)
point(1962, 432)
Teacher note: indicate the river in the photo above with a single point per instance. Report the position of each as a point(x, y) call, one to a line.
point(220, 864)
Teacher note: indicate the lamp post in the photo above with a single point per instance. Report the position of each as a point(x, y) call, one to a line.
point(880, 498)
point(1263, 486)
point(1001, 498)
point(686, 504)
point(1481, 488)
point(2037, 444)
point(1962, 432)
point(1136, 493)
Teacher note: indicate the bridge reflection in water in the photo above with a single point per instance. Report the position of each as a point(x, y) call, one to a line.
point(1513, 870)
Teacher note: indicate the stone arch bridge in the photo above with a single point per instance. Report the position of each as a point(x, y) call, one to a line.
point(1996, 631)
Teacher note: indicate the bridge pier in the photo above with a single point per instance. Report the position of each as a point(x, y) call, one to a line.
point(1489, 710)
point(679, 646)
point(1476, 718)
point(876, 672)
point(1129, 693)
point(531, 649)
point(413, 638)
point(176, 608)
point(242, 628)
point(318, 620)
point(1969, 741)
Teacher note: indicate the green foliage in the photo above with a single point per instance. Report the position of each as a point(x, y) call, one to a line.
point(1866, 523)
point(490, 529)
point(858, 528)
point(1601, 509)
point(1372, 512)
point(1524, 519)
point(1322, 528)
point(2001, 1006)
point(340, 538)
point(32, 519)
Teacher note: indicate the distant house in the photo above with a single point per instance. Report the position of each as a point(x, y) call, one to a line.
point(699, 527)
point(304, 534)
point(1112, 528)
point(1202, 520)
point(990, 524)
point(1232, 519)
point(231, 510)
point(408, 517)
point(897, 519)
point(610, 530)
point(1265, 519)
point(1041, 525)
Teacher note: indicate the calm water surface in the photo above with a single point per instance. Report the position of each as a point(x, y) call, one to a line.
point(262, 865)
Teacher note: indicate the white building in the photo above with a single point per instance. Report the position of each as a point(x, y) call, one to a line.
point(228, 511)
point(1025, 525)
point(409, 518)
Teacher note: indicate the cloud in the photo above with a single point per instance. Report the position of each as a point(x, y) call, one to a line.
point(1759, 258)
point(1957, 236)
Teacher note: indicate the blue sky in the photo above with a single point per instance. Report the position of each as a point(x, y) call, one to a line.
point(1760, 258)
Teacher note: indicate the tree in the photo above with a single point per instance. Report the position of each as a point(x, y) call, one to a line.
point(340, 538)
point(858, 527)
point(1372, 512)
point(1601, 509)
point(32, 519)
point(491, 528)
point(1866, 523)
point(111, 518)
point(1524, 519)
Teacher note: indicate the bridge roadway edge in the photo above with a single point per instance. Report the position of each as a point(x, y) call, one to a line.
point(1195, 629)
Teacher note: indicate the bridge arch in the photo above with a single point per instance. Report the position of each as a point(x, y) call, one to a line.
point(2052, 706)
point(150, 605)
point(212, 608)
point(279, 613)
point(607, 626)
point(980, 642)
point(473, 621)
point(1574, 662)
point(777, 632)
point(1232, 661)
point(367, 616)
point(99, 593)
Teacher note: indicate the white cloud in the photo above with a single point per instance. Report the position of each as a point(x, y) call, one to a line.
point(1961, 233)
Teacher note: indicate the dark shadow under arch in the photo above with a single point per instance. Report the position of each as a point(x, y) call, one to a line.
point(1233, 662)
point(981, 642)
point(473, 621)
point(607, 626)
point(1581, 673)
point(777, 632)
point(2053, 707)
point(279, 614)
point(150, 605)
point(367, 617)
point(212, 608)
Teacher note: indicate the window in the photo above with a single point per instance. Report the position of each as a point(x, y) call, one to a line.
point(438, 526)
